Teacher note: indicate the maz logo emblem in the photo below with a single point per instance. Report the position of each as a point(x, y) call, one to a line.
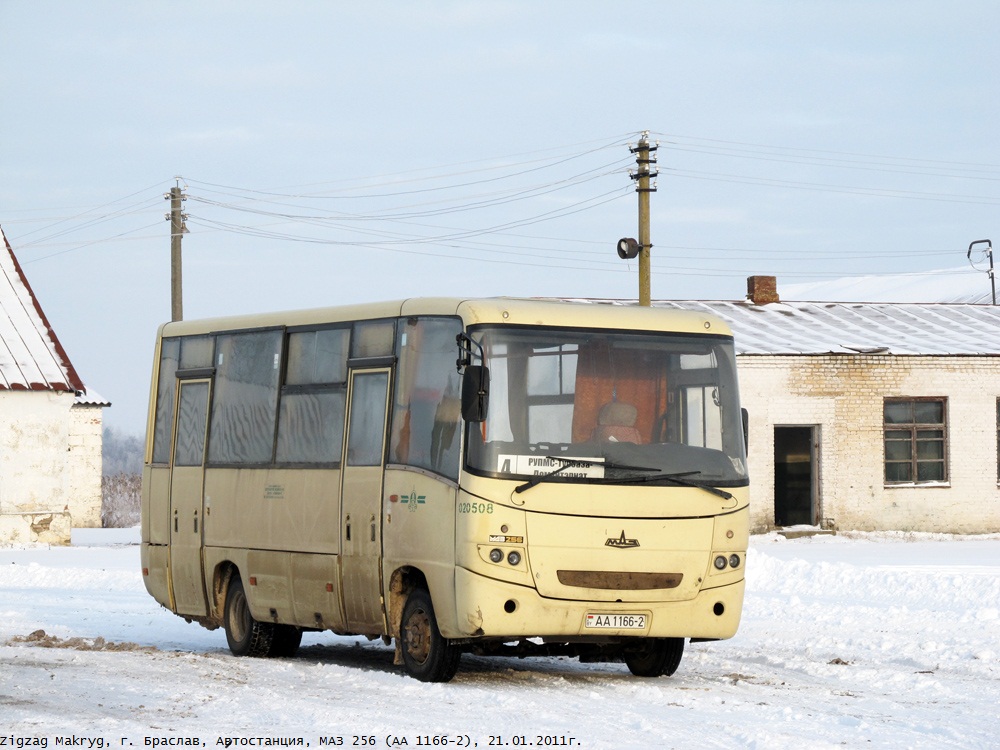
point(621, 542)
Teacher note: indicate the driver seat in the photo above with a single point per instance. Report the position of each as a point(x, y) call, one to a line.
point(616, 423)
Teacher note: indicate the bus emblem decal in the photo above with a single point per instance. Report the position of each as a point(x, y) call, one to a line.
point(621, 542)
point(412, 500)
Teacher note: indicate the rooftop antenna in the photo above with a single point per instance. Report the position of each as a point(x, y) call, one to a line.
point(986, 254)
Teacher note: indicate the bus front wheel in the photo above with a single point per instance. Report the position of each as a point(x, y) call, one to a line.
point(653, 657)
point(245, 635)
point(427, 655)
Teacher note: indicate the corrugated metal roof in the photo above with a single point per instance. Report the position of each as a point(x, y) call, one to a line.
point(963, 285)
point(90, 398)
point(855, 327)
point(31, 357)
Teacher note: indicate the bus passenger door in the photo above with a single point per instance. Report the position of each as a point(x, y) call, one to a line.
point(361, 501)
point(187, 482)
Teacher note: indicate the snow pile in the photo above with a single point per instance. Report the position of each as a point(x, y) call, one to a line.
point(879, 640)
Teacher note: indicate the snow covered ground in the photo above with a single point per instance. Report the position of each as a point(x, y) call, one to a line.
point(887, 640)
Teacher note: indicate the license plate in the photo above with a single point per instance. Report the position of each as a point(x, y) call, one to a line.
point(616, 621)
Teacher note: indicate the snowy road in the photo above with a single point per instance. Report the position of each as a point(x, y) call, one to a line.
point(875, 641)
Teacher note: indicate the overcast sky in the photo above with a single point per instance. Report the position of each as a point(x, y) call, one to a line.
point(339, 152)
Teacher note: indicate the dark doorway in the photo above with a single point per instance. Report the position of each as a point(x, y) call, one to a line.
point(795, 486)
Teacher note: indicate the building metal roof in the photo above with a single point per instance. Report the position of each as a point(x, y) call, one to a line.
point(31, 357)
point(937, 329)
point(962, 284)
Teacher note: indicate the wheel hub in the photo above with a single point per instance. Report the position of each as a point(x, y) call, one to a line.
point(418, 636)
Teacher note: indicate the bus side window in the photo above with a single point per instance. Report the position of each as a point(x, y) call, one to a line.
point(314, 397)
point(373, 338)
point(245, 405)
point(166, 387)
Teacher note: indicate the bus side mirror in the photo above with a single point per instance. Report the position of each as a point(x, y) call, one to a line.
point(475, 393)
point(746, 429)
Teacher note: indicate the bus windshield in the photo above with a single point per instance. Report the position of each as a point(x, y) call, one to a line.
point(605, 406)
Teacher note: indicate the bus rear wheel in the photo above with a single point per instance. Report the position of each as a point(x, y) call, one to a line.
point(653, 657)
point(245, 635)
point(427, 655)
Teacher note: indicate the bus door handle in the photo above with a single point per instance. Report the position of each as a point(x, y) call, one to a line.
point(348, 527)
point(175, 521)
point(196, 522)
point(373, 527)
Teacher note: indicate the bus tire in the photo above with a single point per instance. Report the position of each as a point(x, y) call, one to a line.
point(653, 657)
point(427, 655)
point(245, 635)
point(285, 641)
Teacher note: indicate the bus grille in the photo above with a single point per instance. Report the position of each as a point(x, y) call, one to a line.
point(620, 580)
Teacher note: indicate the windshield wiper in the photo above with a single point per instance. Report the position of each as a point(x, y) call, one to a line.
point(678, 479)
point(568, 462)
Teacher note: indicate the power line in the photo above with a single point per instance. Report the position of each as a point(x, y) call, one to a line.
point(101, 241)
point(605, 143)
point(477, 202)
point(831, 188)
point(754, 147)
point(91, 211)
point(377, 212)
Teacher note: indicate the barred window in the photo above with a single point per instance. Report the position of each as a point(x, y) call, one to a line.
point(915, 440)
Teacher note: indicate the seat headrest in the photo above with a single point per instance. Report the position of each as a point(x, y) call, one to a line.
point(617, 413)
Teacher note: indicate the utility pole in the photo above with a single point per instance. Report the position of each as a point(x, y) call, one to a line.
point(644, 157)
point(177, 229)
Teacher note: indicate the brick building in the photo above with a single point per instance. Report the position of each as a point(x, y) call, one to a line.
point(50, 426)
point(868, 415)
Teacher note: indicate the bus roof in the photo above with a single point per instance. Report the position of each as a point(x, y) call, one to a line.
point(577, 313)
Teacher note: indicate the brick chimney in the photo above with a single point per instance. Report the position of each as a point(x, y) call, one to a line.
point(762, 290)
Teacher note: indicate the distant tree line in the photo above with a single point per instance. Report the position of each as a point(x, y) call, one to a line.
point(122, 452)
point(121, 485)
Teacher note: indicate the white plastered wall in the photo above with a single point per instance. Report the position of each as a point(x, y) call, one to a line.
point(50, 456)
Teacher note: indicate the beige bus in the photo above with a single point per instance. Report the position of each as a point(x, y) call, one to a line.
point(492, 477)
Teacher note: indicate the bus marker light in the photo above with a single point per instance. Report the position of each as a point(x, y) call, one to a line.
point(145, 571)
point(329, 588)
point(253, 580)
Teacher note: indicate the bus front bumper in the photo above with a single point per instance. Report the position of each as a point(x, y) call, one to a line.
point(493, 609)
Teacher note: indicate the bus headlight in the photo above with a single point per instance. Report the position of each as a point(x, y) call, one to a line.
point(734, 561)
point(720, 563)
point(496, 555)
point(514, 557)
